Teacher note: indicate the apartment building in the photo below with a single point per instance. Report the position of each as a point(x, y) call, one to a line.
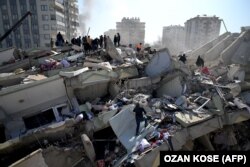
point(200, 30)
point(132, 31)
point(173, 37)
point(47, 19)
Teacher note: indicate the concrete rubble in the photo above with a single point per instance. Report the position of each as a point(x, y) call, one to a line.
point(78, 107)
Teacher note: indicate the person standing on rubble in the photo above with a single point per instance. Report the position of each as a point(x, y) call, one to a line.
point(183, 58)
point(139, 117)
point(101, 41)
point(199, 62)
point(138, 47)
point(59, 39)
point(115, 40)
point(105, 41)
point(118, 39)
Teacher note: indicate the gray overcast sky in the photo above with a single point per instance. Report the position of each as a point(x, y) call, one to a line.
point(102, 15)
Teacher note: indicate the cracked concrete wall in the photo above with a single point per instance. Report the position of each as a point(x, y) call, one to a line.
point(214, 53)
point(227, 54)
point(23, 98)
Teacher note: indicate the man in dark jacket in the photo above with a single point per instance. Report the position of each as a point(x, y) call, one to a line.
point(118, 39)
point(183, 58)
point(200, 62)
point(139, 117)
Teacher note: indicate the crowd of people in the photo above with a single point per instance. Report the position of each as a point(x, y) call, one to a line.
point(91, 44)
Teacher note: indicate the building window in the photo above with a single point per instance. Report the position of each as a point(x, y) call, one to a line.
point(33, 7)
point(26, 37)
point(35, 37)
point(17, 36)
point(6, 26)
point(40, 119)
point(15, 16)
point(13, 8)
point(9, 43)
point(23, 8)
point(5, 17)
point(4, 7)
point(45, 17)
point(52, 17)
point(46, 27)
point(44, 8)
point(34, 27)
point(53, 27)
point(46, 36)
point(51, 8)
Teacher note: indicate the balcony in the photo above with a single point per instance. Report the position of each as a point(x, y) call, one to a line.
point(59, 7)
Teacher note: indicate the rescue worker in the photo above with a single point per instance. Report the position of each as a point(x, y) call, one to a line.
point(138, 47)
point(139, 117)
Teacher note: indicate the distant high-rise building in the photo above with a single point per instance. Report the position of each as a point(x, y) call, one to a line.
point(131, 30)
point(47, 19)
point(173, 37)
point(200, 30)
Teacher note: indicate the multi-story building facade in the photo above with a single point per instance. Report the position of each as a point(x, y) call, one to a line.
point(173, 37)
point(131, 30)
point(48, 18)
point(200, 30)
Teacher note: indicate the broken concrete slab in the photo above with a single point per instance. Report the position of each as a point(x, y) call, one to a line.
point(141, 82)
point(172, 88)
point(124, 126)
point(205, 127)
point(93, 60)
point(90, 78)
point(147, 160)
point(102, 120)
point(246, 97)
point(187, 119)
point(112, 51)
point(103, 65)
point(88, 147)
point(75, 57)
point(10, 79)
point(24, 64)
point(236, 73)
point(33, 159)
point(6, 55)
point(25, 99)
point(51, 131)
point(159, 64)
point(127, 72)
point(77, 48)
point(70, 74)
point(68, 156)
point(218, 104)
point(239, 103)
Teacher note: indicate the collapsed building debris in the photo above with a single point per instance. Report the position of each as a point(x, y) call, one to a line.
point(83, 113)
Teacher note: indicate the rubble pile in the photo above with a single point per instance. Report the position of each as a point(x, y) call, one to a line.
point(91, 98)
